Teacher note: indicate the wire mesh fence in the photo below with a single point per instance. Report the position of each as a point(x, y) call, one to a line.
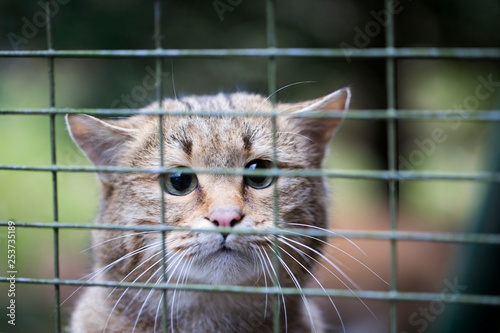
point(392, 175)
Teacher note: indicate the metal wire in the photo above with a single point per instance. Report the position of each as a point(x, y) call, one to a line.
point(159, 99)
point(374, 295)
point(380, 53)
point(392, 175)
point(52, 104)
point(271, 80)
point(449, 237)
point(484, 177)
point(439, 115)
point(393, 185)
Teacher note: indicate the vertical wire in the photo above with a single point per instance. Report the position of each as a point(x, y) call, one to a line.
point(52, 103)
point(271, 77)
point(159, 98)
point(391, 158)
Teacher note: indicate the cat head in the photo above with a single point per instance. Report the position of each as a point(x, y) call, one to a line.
point(210, 200)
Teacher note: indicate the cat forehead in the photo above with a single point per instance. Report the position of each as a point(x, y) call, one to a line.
point(216, 141)
point(213, 139)
point(218, 103)
point(229, 118)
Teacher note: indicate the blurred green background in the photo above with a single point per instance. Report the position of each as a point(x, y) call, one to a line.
point(105, 83)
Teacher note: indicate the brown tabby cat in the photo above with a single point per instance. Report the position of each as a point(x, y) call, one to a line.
point(206, 201)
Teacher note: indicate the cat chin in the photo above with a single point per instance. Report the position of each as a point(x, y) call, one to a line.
point(226, 267)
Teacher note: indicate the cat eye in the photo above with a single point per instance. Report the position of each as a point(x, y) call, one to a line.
point(259, 182)
point(180, 183)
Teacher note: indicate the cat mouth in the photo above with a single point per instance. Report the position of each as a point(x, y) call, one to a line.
point(225, 248)
point(224, 251)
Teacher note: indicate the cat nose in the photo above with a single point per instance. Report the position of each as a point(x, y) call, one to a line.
point(225, 217)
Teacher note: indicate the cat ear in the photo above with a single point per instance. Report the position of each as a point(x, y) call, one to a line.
point(320, 130)
point(102, 141)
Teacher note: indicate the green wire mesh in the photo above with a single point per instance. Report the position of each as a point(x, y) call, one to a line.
point(392, 175)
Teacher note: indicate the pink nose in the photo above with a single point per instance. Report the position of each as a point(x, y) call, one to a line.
point(225, 217)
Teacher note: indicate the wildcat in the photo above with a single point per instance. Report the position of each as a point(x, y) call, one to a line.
point(206, 201)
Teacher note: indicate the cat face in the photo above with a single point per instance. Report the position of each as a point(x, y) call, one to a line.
point(209, 201)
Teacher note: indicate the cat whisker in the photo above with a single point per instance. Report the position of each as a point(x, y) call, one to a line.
point(316, 280)
point(151, 291)
point(337, 261)
point(279, 111)
point(260, 127)
point(104, 269)
point(126, 256)
point(128, 288)
point(157, 314)
point(174, 294)
point(277, 281)
point(178, 259)
point(137, 267)
point(290, 133)
point(284, 87)
point(184, 279)
point(260, 258)
point(322, 265)
point(334, 262)
point(296, 283)
point(337, 248)
point(286, 240)
point(336, 234)
point(116, 238)
point(142, 289)
point(173, 79)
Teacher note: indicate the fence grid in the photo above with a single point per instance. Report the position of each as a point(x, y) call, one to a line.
point(392, 176)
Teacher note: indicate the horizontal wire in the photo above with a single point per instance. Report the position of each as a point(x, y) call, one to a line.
point(400, 175)
point(389, 52)
point(441, 115)
point(448, 297)
point(482, 115)
point(421, 236)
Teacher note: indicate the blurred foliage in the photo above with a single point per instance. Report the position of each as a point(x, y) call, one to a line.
point(127, 24)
